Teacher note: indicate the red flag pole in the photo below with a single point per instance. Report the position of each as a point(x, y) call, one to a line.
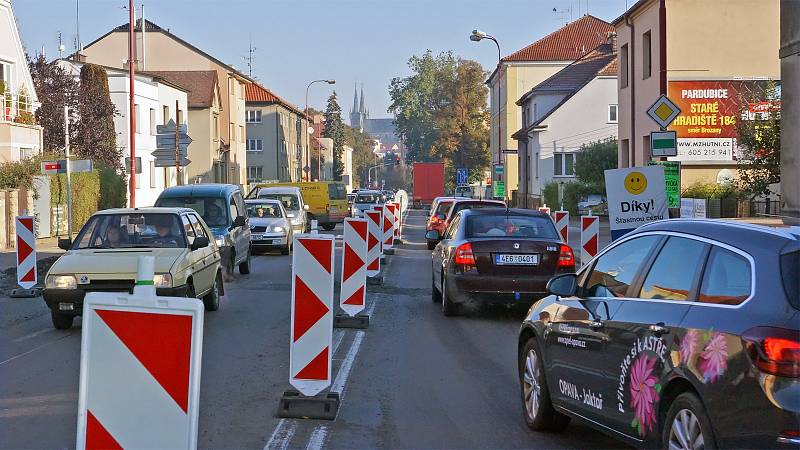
point(132, 105)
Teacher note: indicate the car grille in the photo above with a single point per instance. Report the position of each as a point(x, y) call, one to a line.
point(258, 229)
point(109, 286)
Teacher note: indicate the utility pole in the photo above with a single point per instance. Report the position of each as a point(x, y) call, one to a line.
point(69, 179)
point(178, 178)
point(131, 103)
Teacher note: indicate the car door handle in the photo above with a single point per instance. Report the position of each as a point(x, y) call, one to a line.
point(658, 329)
point(596, 324)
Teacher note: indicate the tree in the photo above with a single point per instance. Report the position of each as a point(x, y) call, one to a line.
point(363, 156)
point(591, 162)
point(759, 142)
point(96, 138)
point(334, 129)
point(56, 88)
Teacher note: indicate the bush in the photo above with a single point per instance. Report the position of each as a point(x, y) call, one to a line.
point(550, 194)
point(113, 188)
point(18, 174)
point(91, 192)
point(711, 190)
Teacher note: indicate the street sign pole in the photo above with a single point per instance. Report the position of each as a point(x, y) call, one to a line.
point(177, 144)
point(69, 179)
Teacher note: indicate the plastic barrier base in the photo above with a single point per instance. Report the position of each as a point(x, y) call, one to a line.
point(398, 241)
point(25, 293)
point(377, 280)
point(359, 321)
point(295, 406)
point(388, 251)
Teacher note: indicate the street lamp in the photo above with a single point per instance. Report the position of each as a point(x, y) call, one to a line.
point(477, 36)
point(308, 138)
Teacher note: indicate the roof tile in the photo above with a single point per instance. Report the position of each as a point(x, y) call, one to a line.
point(568, 43)
point(199, 83)
point(254, 92)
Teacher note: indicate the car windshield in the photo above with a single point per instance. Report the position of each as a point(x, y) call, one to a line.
point(368, 198)
point(290, 201)
point(485, 225)
point(131, 231)
point(266, 210)
point(213, 210)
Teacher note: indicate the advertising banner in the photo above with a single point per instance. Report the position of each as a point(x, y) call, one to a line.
point(636, 196)
point(706, 126)
point(672, 180)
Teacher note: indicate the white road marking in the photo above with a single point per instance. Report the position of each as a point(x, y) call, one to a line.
point(34, 349)
point(32, 335)
point(317, 438)
point(347, 365)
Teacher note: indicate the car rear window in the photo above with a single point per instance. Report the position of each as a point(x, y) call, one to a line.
point(211, 209)
point(485, 225)
point(790, 272)
point(368, 198)
point(337, 191)
point(443, 208)
point(460, 206)
point(727, 278)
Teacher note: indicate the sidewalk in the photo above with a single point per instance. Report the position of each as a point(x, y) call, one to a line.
point(45, 248)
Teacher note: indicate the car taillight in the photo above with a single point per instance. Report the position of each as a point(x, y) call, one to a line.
point(775, 351)
point(464, 255)
point(565, 257)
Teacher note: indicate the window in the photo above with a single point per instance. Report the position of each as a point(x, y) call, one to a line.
point(180, 116)
point(536, 162)
point(669, 281)
point(153, 174)
point(165, 114)
point(612, 113)
point(187, 227)
point(153, 130)
point(727, 278)
point(647, 59)
point(451, 230)
point(564, 164)
point(623, 66)
point(535, 113)
point(253, 116)
point(505, 226)
point(215, 125)
point(198, 227)
point(241, 133)
point(614, 271)
point(138, 120)
point(254, 173)
point(234, 209)
point(255, 145)
point(6, 74)
point(26, 152)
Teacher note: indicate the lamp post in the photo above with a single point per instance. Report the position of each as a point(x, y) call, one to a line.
point(477, 36)
point(308, 138)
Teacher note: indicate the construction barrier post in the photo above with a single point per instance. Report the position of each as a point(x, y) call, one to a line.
point(27, 276)
point(388, 228)
point(374, 223)
point(590, 230)
point(562, 225)
point(353, 292)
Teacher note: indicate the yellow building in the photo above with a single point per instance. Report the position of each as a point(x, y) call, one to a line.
point(524, 69)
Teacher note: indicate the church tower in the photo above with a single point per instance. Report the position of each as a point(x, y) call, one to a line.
point(358, 113)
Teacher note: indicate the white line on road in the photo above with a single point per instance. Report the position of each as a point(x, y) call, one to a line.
point(35, 348)
point(344, 371)
point(317, 438)
point(32, 335)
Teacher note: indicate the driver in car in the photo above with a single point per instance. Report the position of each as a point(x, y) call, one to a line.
point(214, 217)
point(164, 237)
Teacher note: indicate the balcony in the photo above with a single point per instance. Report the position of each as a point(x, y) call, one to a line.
point(17, 108)
point(20, 135)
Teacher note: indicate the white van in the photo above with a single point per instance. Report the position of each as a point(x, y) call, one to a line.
point(293, 203)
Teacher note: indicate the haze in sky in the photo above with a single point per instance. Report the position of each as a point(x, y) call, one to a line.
point(352, 41)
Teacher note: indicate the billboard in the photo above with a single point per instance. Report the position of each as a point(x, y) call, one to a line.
point(706, 126)
point(636, 196)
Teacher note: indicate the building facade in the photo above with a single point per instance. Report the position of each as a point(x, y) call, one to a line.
point(20, 136)
point(725, 59)
point(576, 106)
point(157, 49)
point(790, 110)
point(520, 71)
point(276, 149)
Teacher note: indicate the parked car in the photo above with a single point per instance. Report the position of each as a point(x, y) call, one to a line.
point(270, 228)
point(436, 217)
point(293, 203)
point(222, 208)
point(105, 255)
point(496, 255)
point(366, 200)
point(656, 337)
point(460, 204)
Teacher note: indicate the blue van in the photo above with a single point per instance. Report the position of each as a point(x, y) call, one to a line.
point(222, 208)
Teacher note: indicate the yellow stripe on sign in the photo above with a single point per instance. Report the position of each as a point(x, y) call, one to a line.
point(663, 111)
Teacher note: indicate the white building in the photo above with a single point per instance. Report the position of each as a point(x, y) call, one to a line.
point(327, 164)
point(574, 107)
point(154, 100)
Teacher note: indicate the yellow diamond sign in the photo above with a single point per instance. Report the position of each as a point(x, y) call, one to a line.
point(663, 111)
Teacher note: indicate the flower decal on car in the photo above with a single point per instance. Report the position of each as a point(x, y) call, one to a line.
point(688, 345)
point(714, 357)
point(644, 389)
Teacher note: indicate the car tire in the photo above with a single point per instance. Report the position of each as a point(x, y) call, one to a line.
point(287, 249)
point(61, 321)
point(436, 296)
point(431, 245)
point(538, 411)
point(687, 416)
point(244, 267)
point(190, 292)
point(449, 309)
point(211, 300)
point(328, 226)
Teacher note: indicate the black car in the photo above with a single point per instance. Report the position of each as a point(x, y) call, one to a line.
point(496, 255)
point(681, 334)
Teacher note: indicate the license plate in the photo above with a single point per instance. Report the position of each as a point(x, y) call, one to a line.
point(66, 306)
point(521, 260)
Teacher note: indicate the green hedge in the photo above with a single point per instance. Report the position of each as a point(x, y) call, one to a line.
point(711, 190)
point(91, 191)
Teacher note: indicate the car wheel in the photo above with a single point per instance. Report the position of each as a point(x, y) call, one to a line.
point(287, 249)
point(211, 300)
point(687, 426)
point(190, 292)
point(449, 308)
point(436, 296)
point(431, 245)
point(536, 405)
point(61, 321)
point(244, 267)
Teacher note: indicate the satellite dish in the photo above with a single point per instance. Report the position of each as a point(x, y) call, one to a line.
point(310, 130)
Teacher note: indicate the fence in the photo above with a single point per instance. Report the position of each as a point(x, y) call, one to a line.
point(722, 208)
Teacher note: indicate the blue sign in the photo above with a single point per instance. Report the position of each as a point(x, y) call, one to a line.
point(462, 177)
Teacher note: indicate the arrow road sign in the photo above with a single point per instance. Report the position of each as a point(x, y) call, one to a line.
point(168, 153)
point(168, 140)
point(169, 128)
point(663, 111)
point(60, 166)
point(170, 162)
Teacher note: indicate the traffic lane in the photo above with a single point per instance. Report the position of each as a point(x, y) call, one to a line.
point(426, 381)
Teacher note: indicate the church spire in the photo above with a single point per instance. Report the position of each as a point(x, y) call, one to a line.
point(362, 109)
point(355, 98)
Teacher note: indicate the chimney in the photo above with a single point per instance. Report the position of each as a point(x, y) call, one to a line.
point(611, 38)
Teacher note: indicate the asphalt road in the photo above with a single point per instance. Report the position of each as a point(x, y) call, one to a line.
point(414, 379)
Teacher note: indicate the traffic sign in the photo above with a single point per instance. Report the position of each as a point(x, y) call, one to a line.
point(499, 188)
point(354, 268)
point(462, 176)
point(169, 128)
point(167, 141)
point(170, 162)
point(60, 166)
point(562, 225)
point(663, 143)
point(672, 181)
point(26, 252)
point(663, 111)
point(163, 153)
point(374, 242)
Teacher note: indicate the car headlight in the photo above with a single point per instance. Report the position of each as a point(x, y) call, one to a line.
point(60, 282)
point(162, 280)
point(219, 240)
point(277, 229)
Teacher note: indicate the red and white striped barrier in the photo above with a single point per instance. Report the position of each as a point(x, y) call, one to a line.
point(398, 222)
point(374, 219)
point(562, 225)
point(26, 252)
point(139, 369)
point(354, 268)
point(590, 230)
point(312, 316)
point(388, 225)
point(545, 209)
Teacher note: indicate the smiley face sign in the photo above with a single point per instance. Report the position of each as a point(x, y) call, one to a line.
point(635, 183)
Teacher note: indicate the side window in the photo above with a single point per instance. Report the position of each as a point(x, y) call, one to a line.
point(727, 278)
point(187, 227)
point(670, 281)
point(234, 209)
point(451, 230)
point(614, 271)
point(237, 197)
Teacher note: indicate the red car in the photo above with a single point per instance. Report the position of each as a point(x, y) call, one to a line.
point(437, 215)
point(442, 218)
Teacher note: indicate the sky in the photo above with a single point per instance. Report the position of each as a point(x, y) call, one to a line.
point(296, 41)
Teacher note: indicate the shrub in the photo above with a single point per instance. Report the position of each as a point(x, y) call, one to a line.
point(711, 190)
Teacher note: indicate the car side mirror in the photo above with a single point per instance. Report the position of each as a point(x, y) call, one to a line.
point(564, 285)
point(65, 243)
point(200, 242)
point(305, 207)
point(240, 221)
point(440, 216)
point(432, 235)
